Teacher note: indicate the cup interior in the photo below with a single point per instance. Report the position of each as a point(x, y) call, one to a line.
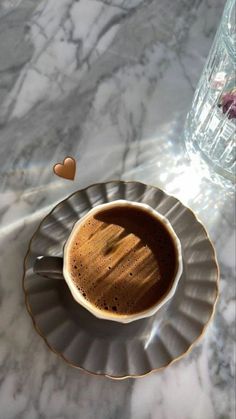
point(102, 314)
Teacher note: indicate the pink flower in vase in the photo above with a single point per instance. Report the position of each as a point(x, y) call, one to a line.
point(228, 104)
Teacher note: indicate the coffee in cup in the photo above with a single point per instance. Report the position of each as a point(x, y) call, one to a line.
point(122, 259)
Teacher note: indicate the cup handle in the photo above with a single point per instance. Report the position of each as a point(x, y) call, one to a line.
point(49, 267)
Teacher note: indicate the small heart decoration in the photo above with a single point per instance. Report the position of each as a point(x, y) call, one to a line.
point(66, 169)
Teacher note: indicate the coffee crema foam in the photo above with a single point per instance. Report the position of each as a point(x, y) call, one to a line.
point(122, 260)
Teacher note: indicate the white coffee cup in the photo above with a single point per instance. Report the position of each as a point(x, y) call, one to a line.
point(53, 267)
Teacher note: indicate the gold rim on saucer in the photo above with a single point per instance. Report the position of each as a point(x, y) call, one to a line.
point(138, 348)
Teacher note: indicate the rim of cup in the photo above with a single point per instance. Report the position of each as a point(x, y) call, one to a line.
point(107, 315)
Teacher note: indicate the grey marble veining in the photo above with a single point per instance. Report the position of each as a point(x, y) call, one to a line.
point(108, 82)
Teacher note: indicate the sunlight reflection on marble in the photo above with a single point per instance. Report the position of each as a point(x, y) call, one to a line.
point(176, 174)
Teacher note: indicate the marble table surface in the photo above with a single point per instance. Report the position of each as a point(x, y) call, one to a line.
point(108, 82)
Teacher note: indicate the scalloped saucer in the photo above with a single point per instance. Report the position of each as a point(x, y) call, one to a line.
point(107, 348)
